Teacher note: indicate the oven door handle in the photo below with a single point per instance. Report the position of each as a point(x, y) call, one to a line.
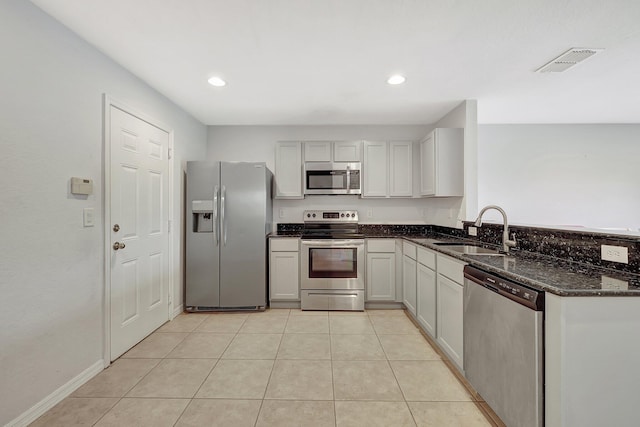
point(331, 242)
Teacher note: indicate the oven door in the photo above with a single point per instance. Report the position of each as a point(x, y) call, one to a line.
point(332, 264)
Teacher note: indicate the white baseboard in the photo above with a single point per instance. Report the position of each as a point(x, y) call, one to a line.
point(57, 396)
point(178, 310)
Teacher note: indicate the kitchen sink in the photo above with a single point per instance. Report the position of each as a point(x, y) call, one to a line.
point(467, 249)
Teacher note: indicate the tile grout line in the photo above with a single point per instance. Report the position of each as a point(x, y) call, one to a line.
point(264, 394)
point(396, 378)
point(333, 384)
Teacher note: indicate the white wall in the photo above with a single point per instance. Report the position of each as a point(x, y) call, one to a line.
point(562, 175)
point(257, 143)
point(51, 268)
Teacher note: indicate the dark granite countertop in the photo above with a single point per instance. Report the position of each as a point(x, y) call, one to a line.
point(541, 272)
point(545, 273)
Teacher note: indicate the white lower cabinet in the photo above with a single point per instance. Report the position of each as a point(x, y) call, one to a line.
point(284, 266)
point(409, 279)
point(449, 290)
point(381, 270)
point(381, 277)
point(426, 314)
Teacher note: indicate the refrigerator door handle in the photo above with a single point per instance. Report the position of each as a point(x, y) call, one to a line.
point(216, 230)
point(222, 212)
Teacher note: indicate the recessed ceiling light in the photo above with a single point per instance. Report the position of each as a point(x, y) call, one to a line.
point(396, 79)
point(216, 81)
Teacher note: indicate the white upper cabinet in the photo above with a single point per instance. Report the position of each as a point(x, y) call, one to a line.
point(442, 163)
point(288, 176)
point(400, 174)
point(387, 170)
point(326, 151)
point(375, 169)
point(347, 151)
point(317, 151)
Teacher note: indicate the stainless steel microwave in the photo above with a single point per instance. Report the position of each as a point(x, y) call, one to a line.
point(332, 178)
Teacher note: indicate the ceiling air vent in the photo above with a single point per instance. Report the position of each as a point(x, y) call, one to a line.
point(567, 60)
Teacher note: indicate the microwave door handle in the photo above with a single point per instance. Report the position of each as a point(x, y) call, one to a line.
point(348, 180)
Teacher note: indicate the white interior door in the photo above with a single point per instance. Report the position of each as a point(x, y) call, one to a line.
point(139, 229)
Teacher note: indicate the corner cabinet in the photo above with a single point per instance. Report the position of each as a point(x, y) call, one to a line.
point(387, 169)
point(381, 270)
point(284, 267)
point(442, 163)
point(288, 176)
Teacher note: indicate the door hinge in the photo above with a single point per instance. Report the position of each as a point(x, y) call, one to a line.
point(170, 153)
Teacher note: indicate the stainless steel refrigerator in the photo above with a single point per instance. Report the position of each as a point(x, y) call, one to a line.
point(228, 214)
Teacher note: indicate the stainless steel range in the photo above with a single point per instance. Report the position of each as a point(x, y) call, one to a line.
point(332, 261)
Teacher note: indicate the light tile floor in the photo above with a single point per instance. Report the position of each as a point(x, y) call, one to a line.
point(276, 368)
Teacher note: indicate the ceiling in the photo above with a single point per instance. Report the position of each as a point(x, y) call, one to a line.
point(302, 62)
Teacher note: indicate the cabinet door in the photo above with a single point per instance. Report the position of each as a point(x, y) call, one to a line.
point(317, 151)
point(381, 276)
point(347, 151)
point(426, 309)
point(283, 276)
point(375, 169)
point(288, 177)
point(450, 320)
point(428, 165)
point(400, 173)
point(409, 284)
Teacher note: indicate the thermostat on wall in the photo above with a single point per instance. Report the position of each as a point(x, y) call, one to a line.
point(81, 186)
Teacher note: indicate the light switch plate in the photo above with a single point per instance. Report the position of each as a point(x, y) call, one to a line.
point(472, 231)
point(88, 217)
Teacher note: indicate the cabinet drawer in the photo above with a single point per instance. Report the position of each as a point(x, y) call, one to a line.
point(284, 245)
point(409, 250)
point(427, 258)
point(451, 268)
point(381, 245)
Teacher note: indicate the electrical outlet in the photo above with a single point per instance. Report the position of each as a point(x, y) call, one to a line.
point(369, 213)
point(281, 213)
point(614, 253)
point(615, 284)
point(472, 231)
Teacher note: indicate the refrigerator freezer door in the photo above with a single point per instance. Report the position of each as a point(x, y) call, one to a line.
point(202, 257)
point(242, 242)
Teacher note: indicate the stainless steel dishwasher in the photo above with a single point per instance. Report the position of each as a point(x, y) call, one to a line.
point(503, 346)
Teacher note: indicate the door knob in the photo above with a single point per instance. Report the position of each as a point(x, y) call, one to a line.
point(118, 245)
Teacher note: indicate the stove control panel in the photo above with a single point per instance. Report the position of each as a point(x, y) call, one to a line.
point(330, 216)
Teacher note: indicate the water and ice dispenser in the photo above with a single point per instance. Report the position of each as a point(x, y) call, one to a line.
point(203, 216)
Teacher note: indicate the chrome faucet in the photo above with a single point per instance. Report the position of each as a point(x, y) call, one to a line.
point(506, 243)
